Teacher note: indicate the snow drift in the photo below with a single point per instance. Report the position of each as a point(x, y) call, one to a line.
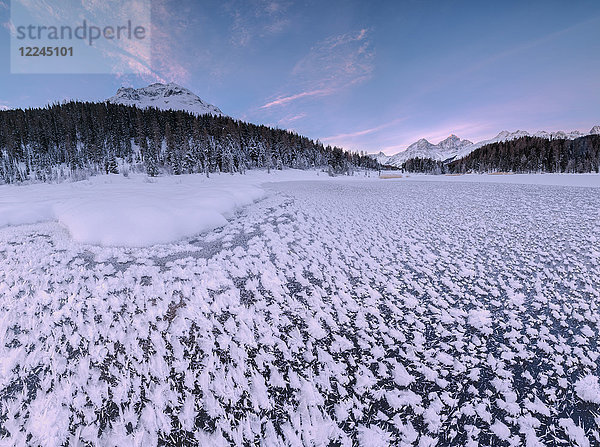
point(117, 211)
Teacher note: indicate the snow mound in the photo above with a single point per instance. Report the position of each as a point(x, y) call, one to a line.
point(128, 221)
point(134, 212)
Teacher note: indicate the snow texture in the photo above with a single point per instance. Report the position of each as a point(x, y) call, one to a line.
point(345, 312)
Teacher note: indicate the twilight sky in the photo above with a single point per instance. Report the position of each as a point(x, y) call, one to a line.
point(366, 75)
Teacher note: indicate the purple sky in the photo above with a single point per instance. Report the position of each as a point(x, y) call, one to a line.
point(370, 76)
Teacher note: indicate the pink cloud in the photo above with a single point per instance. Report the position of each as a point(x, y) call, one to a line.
point(167, 63)
point(330, 66)
point(161, 61)
point(287, 99)
point(124, 56)
point(291, 119)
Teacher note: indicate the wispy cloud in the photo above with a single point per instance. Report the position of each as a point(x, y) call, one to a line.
point(172, 31)
point(127, 56)
point(291, 118)
point(360, 133)
point(338, 61)
point(43, 9)
point(252, 19)
point(163, 61)
point(331, 65)
point(167, 63)
point(281, 100)
point(120, 55)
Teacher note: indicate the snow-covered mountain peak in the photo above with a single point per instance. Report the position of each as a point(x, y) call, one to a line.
point(453, 148)
point(453, 142)
point(421, 144)
point(444, 150)
point(381, 158)
point(165, 97)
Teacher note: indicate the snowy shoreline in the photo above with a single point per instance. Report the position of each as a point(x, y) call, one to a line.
point(112, 210)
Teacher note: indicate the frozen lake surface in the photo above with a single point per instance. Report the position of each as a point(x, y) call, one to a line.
point(329, 313)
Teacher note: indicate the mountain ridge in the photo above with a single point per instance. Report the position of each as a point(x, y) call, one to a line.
point(454, 148)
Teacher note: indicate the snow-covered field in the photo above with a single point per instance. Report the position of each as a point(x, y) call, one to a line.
point(138, 211)
point(345, 312)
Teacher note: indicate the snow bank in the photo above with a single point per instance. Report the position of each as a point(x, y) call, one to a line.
point(113, 210)
point(131, 222)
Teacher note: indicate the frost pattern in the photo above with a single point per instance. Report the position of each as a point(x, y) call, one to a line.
point(348, 313)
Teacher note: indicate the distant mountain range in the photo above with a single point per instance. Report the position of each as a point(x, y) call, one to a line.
point(164, 97)
point(454, 148)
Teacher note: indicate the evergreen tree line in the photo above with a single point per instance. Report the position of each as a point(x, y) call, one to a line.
point(522, 155)
point(76, 139)
point(424, 165)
